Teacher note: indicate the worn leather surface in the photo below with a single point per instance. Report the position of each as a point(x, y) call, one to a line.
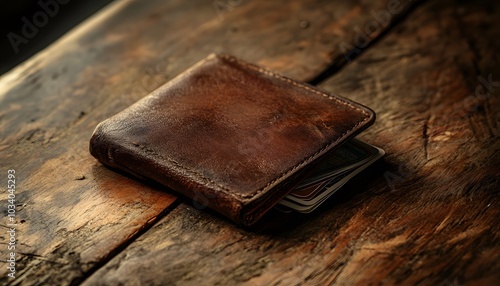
point(228, 134)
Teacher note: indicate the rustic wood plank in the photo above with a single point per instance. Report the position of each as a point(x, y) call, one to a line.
point(427, 215)
point(73, 214)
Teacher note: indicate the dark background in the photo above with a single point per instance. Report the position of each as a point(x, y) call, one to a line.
point(12, 12)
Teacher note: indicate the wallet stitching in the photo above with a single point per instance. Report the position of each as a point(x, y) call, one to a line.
point(295, 83)
point(305, 161)
point(153, 152)
point(227, 191)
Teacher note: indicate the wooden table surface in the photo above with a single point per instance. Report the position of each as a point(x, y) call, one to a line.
point(428, 213)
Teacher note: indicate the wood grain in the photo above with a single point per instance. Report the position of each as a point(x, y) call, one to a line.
point(73, 214)
point(426, 215)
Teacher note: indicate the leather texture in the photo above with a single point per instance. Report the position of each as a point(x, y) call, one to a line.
point(228, 134)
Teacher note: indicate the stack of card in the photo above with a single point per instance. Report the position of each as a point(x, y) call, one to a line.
point(331, 174)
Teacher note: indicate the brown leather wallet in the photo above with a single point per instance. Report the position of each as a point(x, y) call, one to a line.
point(228, 134)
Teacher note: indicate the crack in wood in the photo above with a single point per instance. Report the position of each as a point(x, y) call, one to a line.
point(152, 222)
point(340, 61)
point(426, 137)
